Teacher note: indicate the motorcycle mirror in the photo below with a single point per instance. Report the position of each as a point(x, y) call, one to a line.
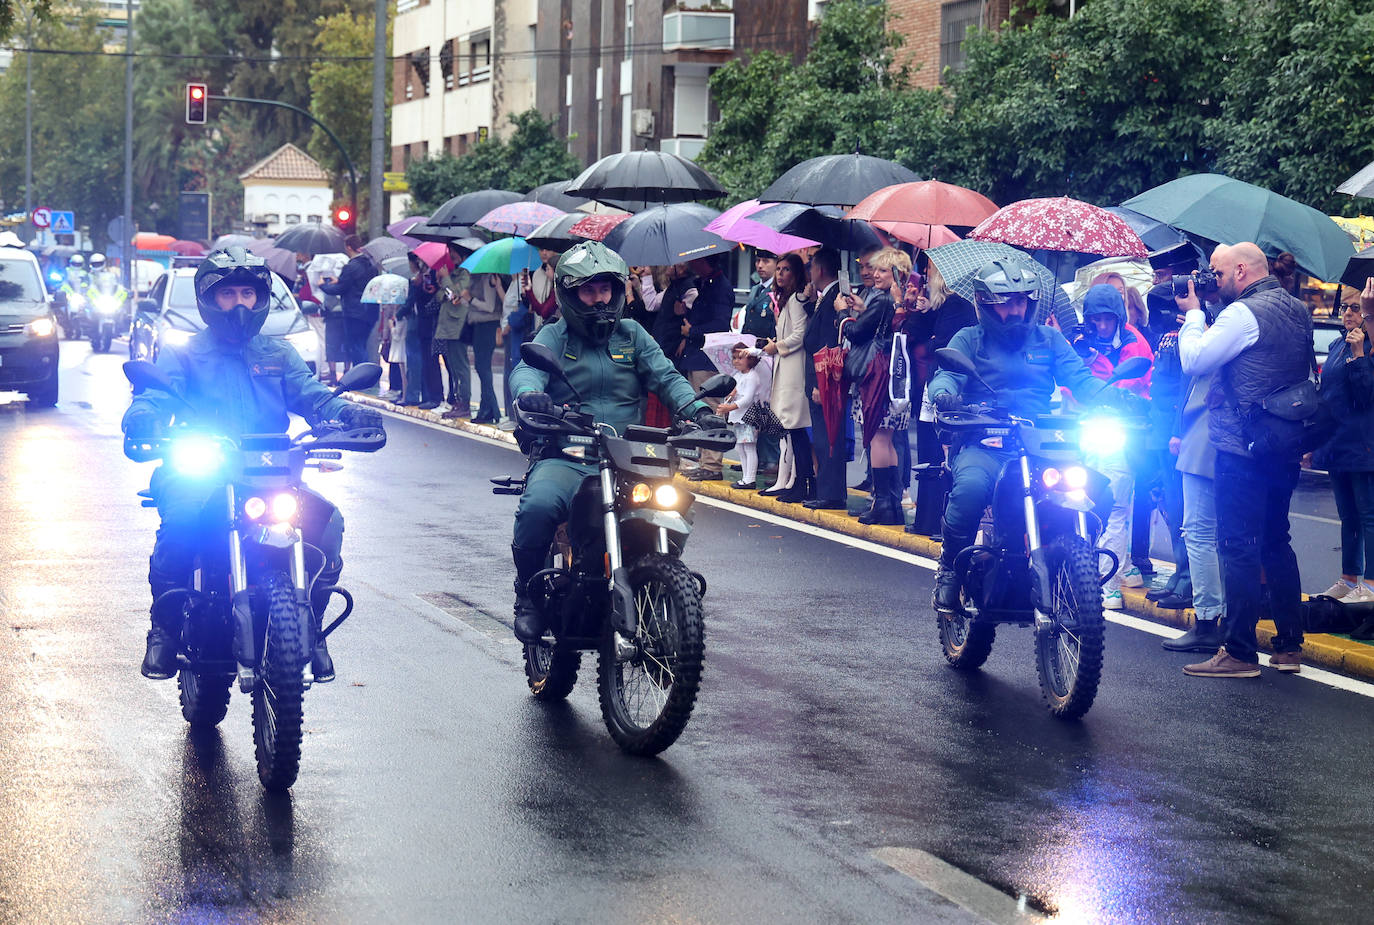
point(362, 376)
point(144, 375)
point(956, 361)
point(718, 386)
point(541, 358)
point(1132, 368)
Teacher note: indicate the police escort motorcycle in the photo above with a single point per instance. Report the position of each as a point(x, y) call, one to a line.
point(247, 616)
point(1034, 561)
point(105, 310)
point(615, 582)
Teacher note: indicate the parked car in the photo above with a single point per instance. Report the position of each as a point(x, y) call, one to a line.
point(1324, 331)
point(169, 316)
point(28, 329)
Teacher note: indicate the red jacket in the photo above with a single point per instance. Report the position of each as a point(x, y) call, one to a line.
point(1102, 367)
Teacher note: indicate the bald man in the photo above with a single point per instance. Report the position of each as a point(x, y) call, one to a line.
point(1261, 342)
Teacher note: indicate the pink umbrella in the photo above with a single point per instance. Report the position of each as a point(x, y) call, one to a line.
point(734, 225)
point(1061, 224)
point(398, 229)
point(596, 227)
point(187, 248)
point(518, 218)
point(434, 254)
point(918, 234)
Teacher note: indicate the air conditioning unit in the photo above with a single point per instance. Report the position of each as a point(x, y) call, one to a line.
point(642, 121)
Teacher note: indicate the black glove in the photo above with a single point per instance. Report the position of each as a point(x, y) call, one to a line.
point(360, 417)
point(143, 425)
point(536, 403)
point(707, 419)
point(948, 402)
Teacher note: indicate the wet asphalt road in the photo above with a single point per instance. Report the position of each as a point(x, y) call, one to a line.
point(828, 738)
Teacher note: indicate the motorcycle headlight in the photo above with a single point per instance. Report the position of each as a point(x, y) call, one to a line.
point(284, 507)
point(667, 496)
point(196, 457)
point(76, 300)
point(42, 327)
point(641, 493)
point(106, 305)
point(175, 336)
point(1102, 436)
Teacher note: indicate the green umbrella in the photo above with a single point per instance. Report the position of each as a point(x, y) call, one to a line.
point(1230, 211)
point(508, 256)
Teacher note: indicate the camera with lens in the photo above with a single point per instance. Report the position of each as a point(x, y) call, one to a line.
point(1204, 280)
point(1080, 338)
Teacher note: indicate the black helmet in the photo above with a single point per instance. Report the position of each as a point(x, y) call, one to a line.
point(590, 261)
point(237, 267)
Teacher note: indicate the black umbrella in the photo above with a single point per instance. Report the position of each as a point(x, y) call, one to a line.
point(825, 224)
point(555, 194)
point(554, 234)
point(665, 235)
point(836, 180)
point(467, 208)
point(1359, 269)
point(311, 238)
point(652, 176)
point(427, 232)
point(380, 249)
point(1362, 184)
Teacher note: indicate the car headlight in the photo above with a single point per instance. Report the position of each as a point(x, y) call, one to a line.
point(175, 336)
point(42, 327)
point(195, 457)
point(1102, 436)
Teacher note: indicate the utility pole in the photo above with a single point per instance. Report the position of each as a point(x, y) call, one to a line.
point(375, 219)
point(28, 118)
point(126, 250)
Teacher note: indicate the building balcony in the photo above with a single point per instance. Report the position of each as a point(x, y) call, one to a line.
point(685, 30)
point(683, 147)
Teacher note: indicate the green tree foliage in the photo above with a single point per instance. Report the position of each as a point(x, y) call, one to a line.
point(532, 155)
point(76, 103)
point(341, 96)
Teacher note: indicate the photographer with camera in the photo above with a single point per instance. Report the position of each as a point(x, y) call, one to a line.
point(1260, 343)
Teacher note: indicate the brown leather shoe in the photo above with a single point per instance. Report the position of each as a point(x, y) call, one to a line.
point(1222, 665)
point(1290, 662)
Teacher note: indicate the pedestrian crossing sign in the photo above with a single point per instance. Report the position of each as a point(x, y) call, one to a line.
point(63, 223)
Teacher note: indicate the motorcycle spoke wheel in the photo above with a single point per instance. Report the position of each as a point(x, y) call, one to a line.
point(1069, 649)
point(965, 642)
point(551, 670)
point(278, 697)
point(647, 692)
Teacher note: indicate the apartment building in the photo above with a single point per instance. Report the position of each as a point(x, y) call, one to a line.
point(935, 31)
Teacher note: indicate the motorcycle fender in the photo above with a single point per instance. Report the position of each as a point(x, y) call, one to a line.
point(242, 608)
point(623, 603)
point(672, 521)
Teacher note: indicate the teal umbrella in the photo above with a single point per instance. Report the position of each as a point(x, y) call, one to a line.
point(1230, 211)
point(508, 256)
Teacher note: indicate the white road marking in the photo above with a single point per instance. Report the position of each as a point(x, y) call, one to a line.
point(1321, 676)
point(963, 889)
point(1315, 518)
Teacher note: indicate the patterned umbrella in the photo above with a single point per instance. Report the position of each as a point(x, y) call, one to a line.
point(596, 227)
point(387, 289)
point(734, 224)
point(1061, 224)
point(508, 255)
point(517, 217)
point(959, 261)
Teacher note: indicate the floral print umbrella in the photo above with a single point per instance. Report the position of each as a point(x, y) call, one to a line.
point(1061, 224)
point(518, 217)
point(596, 227)
point(387, 289)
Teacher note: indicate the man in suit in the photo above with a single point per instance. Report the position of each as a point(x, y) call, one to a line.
point(823, 330)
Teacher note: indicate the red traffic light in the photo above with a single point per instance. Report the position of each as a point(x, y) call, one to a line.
point(196, 98)
point(343, 218)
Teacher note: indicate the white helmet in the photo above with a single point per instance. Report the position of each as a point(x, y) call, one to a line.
point(97, 261)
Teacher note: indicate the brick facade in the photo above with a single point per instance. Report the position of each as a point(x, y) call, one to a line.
point(920, 22)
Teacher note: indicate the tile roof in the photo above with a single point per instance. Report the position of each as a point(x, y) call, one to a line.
point(286, 163)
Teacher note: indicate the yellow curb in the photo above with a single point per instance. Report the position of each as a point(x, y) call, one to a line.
point(433, 417)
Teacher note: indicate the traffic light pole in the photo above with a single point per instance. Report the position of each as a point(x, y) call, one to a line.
point(352, 172)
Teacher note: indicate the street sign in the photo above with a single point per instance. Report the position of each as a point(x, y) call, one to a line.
point(42, 217)
point(395, 182)
point(118, 232)
point(63, 223)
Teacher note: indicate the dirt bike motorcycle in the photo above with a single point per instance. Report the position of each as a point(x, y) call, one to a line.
point(247, 615)
point(615, 582)
point(1034, 561)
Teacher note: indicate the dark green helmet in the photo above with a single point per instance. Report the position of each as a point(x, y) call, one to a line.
point(234, 266)
point(590, 261)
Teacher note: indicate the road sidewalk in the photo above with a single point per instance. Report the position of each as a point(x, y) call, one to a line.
point(1332, 652)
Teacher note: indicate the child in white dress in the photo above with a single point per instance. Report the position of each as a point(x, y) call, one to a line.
point(753, 384)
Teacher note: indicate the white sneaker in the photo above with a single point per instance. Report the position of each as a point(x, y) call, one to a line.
point(1339, 590)
point(1360, 595)
point(1112, 600)
point(1131, 578)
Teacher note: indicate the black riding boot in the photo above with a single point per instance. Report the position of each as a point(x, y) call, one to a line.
point(164, 637)
point(946, 581)
point(321, 663)
point(529, 622)
point(160, 658)
point(887, 499)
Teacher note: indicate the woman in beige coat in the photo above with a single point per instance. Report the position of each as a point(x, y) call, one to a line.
point(795, 477)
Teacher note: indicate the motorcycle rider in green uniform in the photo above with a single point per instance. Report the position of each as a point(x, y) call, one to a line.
point(71, 295)
point(613, 363)
point(1022, 362)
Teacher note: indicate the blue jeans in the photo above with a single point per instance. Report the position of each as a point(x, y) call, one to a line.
point(974, 470)
point(1200, 536)
point(1172, 480)
point(1252, 524)
point(483, 349)
point(1354, 493)
point(415, 362)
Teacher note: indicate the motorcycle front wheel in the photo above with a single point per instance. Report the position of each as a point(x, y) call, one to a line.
point(1068, 650)
point(551, 670)
point(648, 684)
point(278, 696)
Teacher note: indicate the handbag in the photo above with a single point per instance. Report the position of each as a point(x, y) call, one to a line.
point(1288, 422)
point(859, 358)
point(762, 418)
point(899, 376)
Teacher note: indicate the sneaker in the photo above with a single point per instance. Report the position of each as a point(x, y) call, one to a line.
point(1361, 595)
point(1287, 662)
point(1338, 591)
point(1112, 600)
point(1131, 578)
point(1222, 665)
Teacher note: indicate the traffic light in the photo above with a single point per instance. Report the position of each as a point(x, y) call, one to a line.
point(196, 98)
point(344, 219)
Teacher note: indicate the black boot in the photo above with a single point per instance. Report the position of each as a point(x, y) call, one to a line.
point(946, 581)
point(166, 615)
point(160, 659)
point(529, 620)
point(887, 504)
point(1205, 636)
point(321, 662)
